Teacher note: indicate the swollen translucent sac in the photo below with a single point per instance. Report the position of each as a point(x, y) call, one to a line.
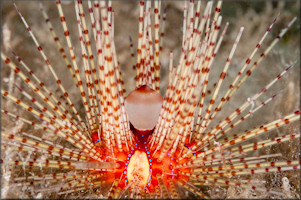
point(87, 137)
point(143, 107)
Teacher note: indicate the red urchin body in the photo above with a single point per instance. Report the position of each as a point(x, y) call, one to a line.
point(144, 104)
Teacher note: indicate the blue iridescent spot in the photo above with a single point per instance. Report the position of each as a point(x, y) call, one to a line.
point(147, 152)
point(129, 155)
point(126, 163)
point(150, 160)
point(124, 172)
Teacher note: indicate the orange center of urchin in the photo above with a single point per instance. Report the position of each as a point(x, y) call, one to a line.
point(138, 169)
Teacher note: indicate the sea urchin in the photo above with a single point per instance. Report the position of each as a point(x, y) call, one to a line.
point(140, 145)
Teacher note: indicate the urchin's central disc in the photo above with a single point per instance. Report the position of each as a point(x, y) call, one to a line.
point(143, 107)
point(138, 169)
